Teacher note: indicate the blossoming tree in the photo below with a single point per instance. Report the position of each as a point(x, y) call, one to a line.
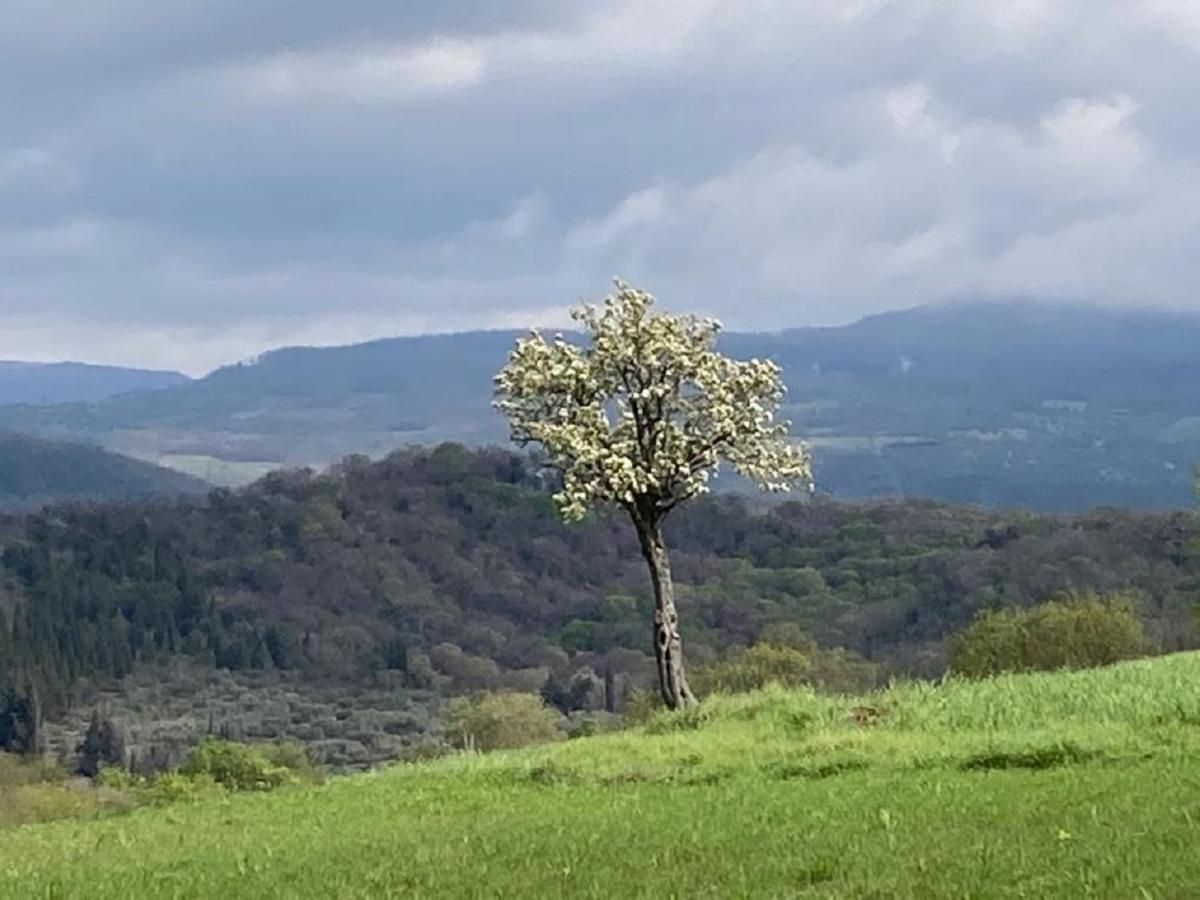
point(641, 417)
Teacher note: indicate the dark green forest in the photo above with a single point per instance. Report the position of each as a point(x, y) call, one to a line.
point(450, 569)
point(35, 472)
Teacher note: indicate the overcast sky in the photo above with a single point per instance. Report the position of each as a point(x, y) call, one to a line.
point(185, 184)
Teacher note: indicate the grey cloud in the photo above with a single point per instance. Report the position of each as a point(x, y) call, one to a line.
point(186, 184)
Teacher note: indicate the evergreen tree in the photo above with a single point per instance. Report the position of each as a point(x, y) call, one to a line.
point(103, 744)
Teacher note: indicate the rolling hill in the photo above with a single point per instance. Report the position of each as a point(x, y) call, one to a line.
point(999, 404)
point(1072, 784)
point(36, 472)
point(49, 383)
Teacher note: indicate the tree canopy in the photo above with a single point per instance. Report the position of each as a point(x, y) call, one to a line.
point(647, 410)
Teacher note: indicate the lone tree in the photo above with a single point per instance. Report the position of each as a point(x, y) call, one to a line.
point(641, 417)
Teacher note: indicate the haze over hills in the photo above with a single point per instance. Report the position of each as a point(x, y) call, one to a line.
point(68, 382)
point(1013, 403)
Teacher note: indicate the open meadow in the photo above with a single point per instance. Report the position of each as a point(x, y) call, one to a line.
point(1071, 784)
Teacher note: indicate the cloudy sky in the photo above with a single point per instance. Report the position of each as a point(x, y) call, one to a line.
point(185, 184)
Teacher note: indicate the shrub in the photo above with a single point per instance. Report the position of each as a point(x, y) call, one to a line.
point(176, 787)
point(640, 706)
point(502, 721)
point(745, 669)
point(238, 767)
point(800, 664)
point(118, 778)
point(215, 766)
point(1075, 632)
point(293, 757)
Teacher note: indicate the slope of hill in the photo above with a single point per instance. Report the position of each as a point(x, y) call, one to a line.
point(35, 472)
point(1048, 785)
point(49, 383)
point(448, 570)
point(306, 406)
point(1001, 404)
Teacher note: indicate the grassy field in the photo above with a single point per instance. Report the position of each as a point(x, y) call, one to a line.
point(1081, 784)
point(220, 472)
point(39, 791)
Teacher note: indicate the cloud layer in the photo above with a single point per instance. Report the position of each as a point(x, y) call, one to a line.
point(182, 187)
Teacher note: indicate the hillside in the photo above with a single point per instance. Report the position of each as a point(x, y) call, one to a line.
point(448, 570)
point(49, 383)
point(34, 473)
point(307, 406)
point(1047, 785)
point(1000, 404)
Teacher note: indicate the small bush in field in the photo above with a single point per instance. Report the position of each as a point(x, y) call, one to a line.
point(176, 787)
point(755, 667)
point(118, 778)
point(215, 766)
point(1076, 632)
point(238, 767)
point(293, 757)
point(502, 721)
point(640, 706)
point(751, 668)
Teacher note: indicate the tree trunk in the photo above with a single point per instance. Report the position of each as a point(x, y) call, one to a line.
point(668, 647)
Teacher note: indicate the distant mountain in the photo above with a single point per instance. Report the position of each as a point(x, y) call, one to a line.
point(301, 405)
point(36, 472)
point(1052, 407)
point(47, 383)
point(1003, 403)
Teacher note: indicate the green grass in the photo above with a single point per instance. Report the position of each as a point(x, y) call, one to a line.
point(1079, 784)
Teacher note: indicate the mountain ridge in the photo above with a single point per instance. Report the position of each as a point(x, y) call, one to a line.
point(42, 383)
point(1054, 406)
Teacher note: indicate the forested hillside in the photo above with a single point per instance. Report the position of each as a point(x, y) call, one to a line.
point(36, 472)
point(451, 569)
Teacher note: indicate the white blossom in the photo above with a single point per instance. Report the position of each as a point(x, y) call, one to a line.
point(644, 413)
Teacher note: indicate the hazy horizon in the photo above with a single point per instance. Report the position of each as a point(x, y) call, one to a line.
point(964, 303)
